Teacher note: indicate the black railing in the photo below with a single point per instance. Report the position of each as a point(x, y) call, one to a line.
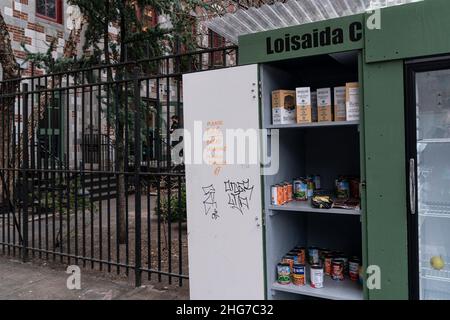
point(102, 191)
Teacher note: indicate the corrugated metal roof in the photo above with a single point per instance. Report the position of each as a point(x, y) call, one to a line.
point(290, 13)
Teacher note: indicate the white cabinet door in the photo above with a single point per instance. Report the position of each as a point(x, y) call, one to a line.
point(224, 210)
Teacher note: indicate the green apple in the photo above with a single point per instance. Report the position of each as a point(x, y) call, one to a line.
point(437, 262)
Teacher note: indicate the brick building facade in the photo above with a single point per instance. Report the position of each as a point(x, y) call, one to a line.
point(34, 26)
point(35, 23)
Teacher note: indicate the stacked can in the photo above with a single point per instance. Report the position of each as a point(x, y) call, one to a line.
point(353, 268)
point(313, 255)
point(298, 274)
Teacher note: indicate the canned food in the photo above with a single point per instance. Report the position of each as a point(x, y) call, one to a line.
point(283, 273)
point(353, 268)
point(342, 189)
point(323, 253)
point(294, 254)
point(344, 260)
point(310, 188)
point(275, 200)
point(288, 259)
point(286, 192)
point(298, 275)
point(300, 190)
point(280, 193)
point(302, 255)
point(327, 264)
point(289, 191)
point(316, 276)
point(317, 182)
point(337, 269)
point(313, 255)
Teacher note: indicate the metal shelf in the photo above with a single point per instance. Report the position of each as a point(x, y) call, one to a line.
point(305, 206)
point(439, 140)
point(332, 289)
point(435, 211)
point(438, 275)
point(314, 125)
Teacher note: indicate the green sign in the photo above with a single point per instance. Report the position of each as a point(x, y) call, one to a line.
point(322, 37)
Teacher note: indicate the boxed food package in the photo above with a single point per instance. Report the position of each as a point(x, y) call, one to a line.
point(352, 101)
point(304, 112)
point(283, 107)
point(314, 114)
point(324, 110)
point(340, 113)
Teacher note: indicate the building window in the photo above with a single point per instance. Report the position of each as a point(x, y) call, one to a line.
point(49, 9)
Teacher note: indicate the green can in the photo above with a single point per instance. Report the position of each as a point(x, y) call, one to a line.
point(283, 273)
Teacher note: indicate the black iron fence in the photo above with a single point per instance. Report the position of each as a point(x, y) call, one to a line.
point(86, 166)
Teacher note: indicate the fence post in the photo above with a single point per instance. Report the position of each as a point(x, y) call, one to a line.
point(137, 171)
point(25, 173)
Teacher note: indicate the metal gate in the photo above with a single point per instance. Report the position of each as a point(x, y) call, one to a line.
point(90, 166)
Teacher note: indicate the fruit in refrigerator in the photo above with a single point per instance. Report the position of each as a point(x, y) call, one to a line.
point(437, 262)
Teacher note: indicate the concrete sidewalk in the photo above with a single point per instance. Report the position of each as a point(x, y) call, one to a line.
point(27, 281)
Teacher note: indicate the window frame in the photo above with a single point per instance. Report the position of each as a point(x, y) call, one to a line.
point(59, 12)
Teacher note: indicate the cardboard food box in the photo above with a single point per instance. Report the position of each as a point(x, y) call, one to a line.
point(352, 101)
point(324, 109)
point(304, 112)
point(340, 111)
point(283, 107)
point(314, 114)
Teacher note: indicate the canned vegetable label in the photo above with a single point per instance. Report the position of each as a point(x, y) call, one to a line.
point(300, 190)
point(298, 275)
point(284, 273)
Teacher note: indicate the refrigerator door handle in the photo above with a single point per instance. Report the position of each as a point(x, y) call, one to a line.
point(412, 185)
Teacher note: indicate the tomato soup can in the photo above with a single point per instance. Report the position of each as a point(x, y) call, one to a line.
point(353, 268)
point(313, 255)
point(316, 276)
point(298, 274)
point(337, 269)
point(283, 273)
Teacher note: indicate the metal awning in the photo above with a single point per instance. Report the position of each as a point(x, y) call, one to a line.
point(290, 13)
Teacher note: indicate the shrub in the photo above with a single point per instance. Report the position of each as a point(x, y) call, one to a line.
point(177, 208)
